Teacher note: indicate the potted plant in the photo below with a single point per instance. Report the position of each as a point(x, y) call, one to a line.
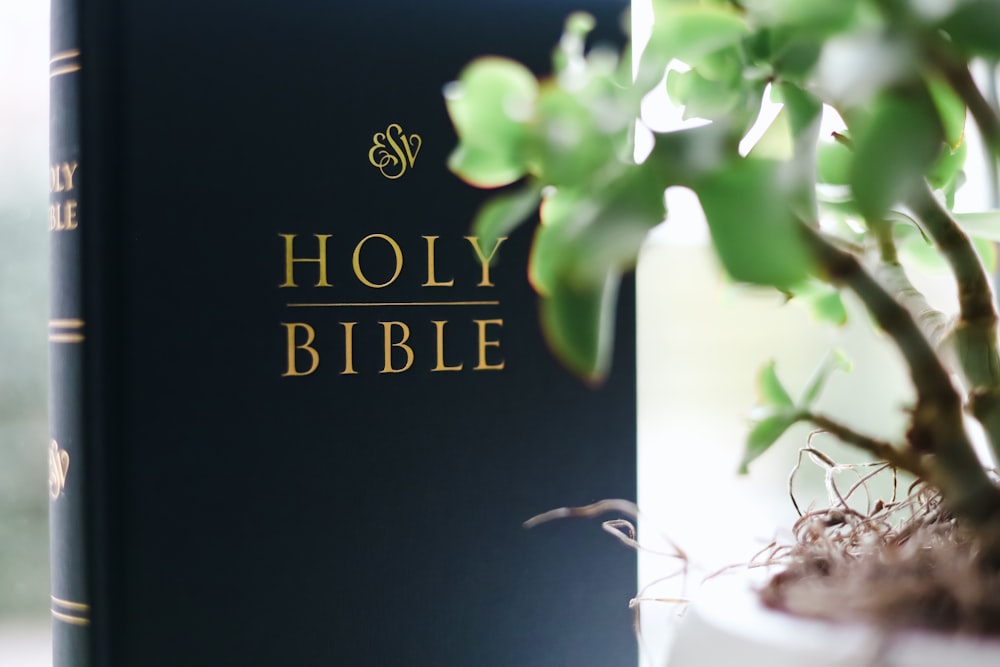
point(812, 216)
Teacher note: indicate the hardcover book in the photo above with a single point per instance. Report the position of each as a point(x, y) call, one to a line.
point(299, 410)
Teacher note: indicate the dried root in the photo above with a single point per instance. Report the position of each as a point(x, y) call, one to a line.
point(901, 564)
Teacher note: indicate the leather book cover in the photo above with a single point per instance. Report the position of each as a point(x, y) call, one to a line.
point(309, 410)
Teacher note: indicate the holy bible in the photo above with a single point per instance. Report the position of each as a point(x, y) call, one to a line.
point(299, 409)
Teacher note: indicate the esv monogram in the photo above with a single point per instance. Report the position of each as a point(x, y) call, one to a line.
point(393, 152)
point(58, 468)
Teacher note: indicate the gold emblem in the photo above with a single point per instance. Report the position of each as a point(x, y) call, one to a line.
point(58, 467)
point(393, 152)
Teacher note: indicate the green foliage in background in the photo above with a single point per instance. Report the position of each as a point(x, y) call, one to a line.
point(805, 214)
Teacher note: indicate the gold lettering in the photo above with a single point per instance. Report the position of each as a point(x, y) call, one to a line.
point(306, 347)
point(62, 217)
point(439, 336)
point(485, 343)
point(348, 348)
point(68, 170)
point(69, 214)
point(61, 176)
point(401, 344)
point(432, 281)
point(485, 259)
point(357, 260)
point(291, 259)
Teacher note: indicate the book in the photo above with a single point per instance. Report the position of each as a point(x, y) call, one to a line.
point(299, 411)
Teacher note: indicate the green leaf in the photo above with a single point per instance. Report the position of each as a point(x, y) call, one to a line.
point(765, 433)
point(578, 322)
point(835, 360)
point(570, 52)
point(829, 307)
point(589, 231)
point(687, 33)
point(805, 111)
point(485, 168)
point(503, 213)
point(833, 162)
point(754, 231)
point(771, 391)
point(588, 238)
point(776, 142)
point(489, 105)
point(893, 151)
point(573, 145)
point(814, 18)
point(793, 132)
point(685, 157)
point(549, 250)
point(823, 300)
point(984, 225)
point(701, 97)
point(691, 32)
point(974, 27)
point(795, 55)
point(950, 189)
point(950, 108)
point(579, 25)
point(948, 167)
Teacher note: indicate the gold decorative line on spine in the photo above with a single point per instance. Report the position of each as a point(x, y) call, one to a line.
point(66, 604)
point(69, 618)
point(66, 324)
point(66, 338)
point(392, 303)
point(64, 55)
point(78, 611)
point(57, 333)
point(62, 63)
point(64, 70)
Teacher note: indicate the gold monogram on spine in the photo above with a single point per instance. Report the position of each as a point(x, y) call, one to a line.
point(58, 467)
point(393, 152)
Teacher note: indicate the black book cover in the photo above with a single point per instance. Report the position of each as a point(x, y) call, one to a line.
point(305, 418)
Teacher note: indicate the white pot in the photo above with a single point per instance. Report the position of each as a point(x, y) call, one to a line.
point(727, 625)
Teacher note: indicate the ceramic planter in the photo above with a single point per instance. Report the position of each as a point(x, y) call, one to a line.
point(727, 625)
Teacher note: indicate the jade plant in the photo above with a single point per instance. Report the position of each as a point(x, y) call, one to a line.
point(808, 214)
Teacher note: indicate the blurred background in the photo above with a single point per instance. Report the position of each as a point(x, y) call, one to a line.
point(24, 616)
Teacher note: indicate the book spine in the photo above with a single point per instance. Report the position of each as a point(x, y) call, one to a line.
point(68, 345)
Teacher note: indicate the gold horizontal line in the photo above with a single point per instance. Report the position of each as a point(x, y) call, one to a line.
point(66, 324)
point(66, 604)
point(64, 70)
point(69, 618)
point(64, 55)
point(66, 338)
point(392, 303)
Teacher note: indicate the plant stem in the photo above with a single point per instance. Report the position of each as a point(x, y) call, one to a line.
point(961, 81)
point(975, 334)
point(932, 322)
point(974, 292)
point(891, 273)
point(899, 458)
point(937, 431)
